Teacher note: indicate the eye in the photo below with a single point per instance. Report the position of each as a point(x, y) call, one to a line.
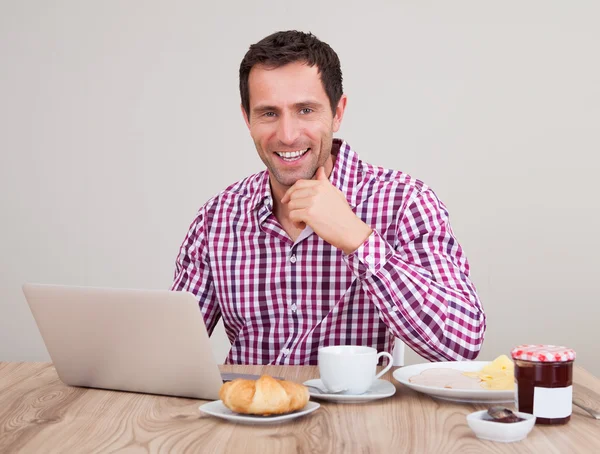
point(306, 110)
point(269, 114)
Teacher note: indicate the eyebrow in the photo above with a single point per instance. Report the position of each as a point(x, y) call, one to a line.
point(263, 109)
point(299, 105)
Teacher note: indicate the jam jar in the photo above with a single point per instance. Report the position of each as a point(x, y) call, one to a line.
point(544, 378)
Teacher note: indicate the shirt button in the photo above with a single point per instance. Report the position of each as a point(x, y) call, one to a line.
point(369, 259)
point(285, 351)
point(294, 307)
point(293, 259)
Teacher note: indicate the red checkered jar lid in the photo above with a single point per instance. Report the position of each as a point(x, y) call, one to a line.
point(543, 353)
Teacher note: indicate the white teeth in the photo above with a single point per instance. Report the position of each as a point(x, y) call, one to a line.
point(292, 154)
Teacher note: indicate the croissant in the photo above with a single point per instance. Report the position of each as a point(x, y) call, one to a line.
point(265, 396)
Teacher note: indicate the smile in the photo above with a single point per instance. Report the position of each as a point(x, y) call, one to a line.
point(292, 155)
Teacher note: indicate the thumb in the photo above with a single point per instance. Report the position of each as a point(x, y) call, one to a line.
point(321, 174)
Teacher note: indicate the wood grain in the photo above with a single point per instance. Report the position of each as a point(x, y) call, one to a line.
point(38, 413)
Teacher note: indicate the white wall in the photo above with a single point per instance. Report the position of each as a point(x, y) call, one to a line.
point(118, 119)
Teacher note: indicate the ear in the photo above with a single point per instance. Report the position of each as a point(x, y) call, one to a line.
point(339, 113)
point(245, 116)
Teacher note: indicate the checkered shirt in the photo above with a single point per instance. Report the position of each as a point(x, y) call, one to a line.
point(281, 300)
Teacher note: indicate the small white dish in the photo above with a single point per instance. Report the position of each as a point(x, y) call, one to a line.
point(219, 410)
point(498, 431)
point(380, 389)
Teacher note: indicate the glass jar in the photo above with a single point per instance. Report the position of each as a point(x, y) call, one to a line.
point(544, 378)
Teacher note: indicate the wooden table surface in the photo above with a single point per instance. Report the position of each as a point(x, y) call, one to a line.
point(39, 414)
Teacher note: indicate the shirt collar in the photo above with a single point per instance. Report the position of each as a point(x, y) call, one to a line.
point(344, 176)
point(262, 195)
point(346, 171)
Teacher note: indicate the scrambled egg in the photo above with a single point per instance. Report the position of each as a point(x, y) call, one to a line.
point(498, 375)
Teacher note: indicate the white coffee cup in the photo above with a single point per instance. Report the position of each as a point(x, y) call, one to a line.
point(350, 368)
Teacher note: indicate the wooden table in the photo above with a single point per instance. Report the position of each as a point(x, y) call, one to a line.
point(38, 413)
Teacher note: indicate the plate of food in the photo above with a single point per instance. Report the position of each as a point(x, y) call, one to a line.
point(462, 381)
point(263, 401)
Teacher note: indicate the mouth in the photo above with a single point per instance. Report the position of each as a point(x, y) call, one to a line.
point(292, 156)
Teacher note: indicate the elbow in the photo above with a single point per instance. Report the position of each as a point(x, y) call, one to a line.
point(463, 343)
point(471, 354)
point(472, 341)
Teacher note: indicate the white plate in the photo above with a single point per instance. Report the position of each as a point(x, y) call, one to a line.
point(456, 395)
point(379, 390)
point(219, 410)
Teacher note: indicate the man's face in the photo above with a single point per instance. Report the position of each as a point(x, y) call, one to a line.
point(291, 122)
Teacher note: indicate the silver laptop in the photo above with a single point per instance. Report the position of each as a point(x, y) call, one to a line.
point(147, 341)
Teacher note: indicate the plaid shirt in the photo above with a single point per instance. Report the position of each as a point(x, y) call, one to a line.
point(281, 300)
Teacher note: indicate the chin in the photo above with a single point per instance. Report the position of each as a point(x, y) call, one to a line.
point(291, 179)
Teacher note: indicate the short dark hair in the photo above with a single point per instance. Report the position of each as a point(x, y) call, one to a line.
point(290, 46)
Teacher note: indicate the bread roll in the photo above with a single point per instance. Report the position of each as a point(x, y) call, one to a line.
point(265, 396)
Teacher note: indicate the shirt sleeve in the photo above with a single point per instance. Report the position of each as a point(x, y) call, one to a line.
point(193, 272)
point(421, 284)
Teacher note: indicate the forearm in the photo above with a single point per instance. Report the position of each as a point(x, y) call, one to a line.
point(438, 316)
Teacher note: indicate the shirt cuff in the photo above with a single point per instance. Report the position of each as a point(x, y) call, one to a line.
point(370, 256)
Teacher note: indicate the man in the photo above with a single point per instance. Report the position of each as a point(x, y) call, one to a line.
point(322, 248)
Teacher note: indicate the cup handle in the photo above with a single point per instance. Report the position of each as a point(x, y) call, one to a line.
point(388, 367)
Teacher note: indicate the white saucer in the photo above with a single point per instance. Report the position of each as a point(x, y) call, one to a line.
point(219, 410)
point(379, 390)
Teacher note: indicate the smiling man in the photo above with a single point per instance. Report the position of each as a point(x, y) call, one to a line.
point(323, 248)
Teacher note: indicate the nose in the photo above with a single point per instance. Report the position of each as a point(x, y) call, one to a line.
point(287, 130)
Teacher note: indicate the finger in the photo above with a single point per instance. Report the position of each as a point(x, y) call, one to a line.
point(288, 193)
point(299, 204)
point(302, 193)
point(298, 217)
point(300, 184)
point(321, 176)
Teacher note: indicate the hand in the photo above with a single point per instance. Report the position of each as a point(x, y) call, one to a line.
point(324, 208)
